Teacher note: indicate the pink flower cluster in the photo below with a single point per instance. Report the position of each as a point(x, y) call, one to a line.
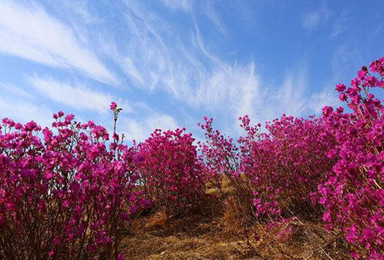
point(64, 192)
point(330, 167)
point(353, 192)
point(286, 165)
point(272, 171)
point(171, 171)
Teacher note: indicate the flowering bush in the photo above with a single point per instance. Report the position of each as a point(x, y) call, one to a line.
point(171, 172)
point(331, 166)
point(286, 164)
point(222, 160)
point(63, 192)
point(352, 192)
point(275, 170)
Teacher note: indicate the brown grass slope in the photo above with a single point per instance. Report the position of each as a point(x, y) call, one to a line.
point(215, 231)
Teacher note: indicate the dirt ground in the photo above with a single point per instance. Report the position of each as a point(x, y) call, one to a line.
point(212, 232)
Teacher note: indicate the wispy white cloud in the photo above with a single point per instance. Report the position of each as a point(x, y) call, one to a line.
point(233, 89)
point(209, 10)
point(29, 32)
point(161, 121)
point(181, 62)
point(205, 7)
point(314, 19)
point(191, 72)
point(200, 44)
point(24, 111)
point(11, 90)
point(194, 75)
point(327, 97)
point(290, 96)
point(185, 5)
point(81, 9)
point(141, 129)
point(379, 28)
point(20, 105)
point(72, 94)
point(345, 58)
point(129, 67)
point(341, 24)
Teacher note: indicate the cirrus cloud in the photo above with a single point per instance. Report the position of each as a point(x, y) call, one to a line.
point(29, 32)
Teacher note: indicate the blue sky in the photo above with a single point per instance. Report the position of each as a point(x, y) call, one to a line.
point(168, 63)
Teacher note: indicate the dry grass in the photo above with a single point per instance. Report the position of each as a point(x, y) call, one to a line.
point(196, 236)
point(213, 232)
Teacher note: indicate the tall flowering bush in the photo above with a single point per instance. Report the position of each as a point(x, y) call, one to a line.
point(331, 166)
point(171, 172)
point(64, 192)
point(219, 152)
point(272, 170)
point(286, 164)
point(222, 159)
point(352, 193)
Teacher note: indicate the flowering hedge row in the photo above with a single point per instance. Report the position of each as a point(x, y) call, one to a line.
point(63, 192)
point(69, 191)
point(330, 167)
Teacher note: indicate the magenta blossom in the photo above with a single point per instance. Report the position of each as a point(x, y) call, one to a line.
point(113, 106)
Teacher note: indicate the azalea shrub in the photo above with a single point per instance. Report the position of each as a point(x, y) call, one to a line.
point(222, 159)
point(171, 172)
point(352, 193)
point(65, 192)
point(330, 166)
point(286, 164)
point(274, 170)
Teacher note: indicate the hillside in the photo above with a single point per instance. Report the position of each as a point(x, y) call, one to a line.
point(213, 231)
point(299, 188)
